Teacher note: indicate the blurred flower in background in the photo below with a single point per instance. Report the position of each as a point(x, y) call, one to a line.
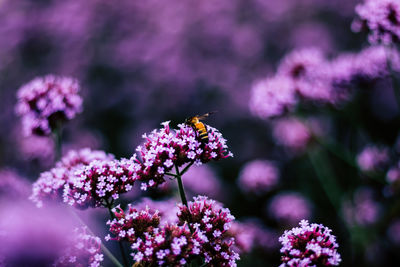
point(258, 176)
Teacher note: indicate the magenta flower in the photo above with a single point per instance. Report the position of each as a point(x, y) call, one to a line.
point(364, 210)
point(166, 208)
point(47, 101)
point(84, 250)
point(210, 221)
point(50, 184)
point(202, 232)
point(258, 176)
point(272, 97)
point(292, 133)
point(381, 19)
point(100, 182)
point(309, 245)
point(372, 158)
point(289, 207)
point(166, 148)
point(303, 66)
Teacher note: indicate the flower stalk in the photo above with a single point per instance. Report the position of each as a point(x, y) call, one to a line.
point(121, 248)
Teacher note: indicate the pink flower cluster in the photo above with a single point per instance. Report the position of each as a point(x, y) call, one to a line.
point(166, 148)
point(84, 250)
point(50, 184)
point(381, 19)
point(289, 207)
point(307, 75)
point(100, 182)
point(373, 158)
point(258, 176)
point(177, 244)
point(211, 222)
point(309, 245)
point(47, 101)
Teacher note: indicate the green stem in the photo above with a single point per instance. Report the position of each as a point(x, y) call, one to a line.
point(121, 248)
point(57, 137)
point(182, 190)
point(180, 186)
point(103, 247)
point(326, 179)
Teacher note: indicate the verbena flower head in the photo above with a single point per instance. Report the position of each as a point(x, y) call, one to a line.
point(166, 208)
point(47, 101)
point(372, 158)
point(151, 242)
point(363, 210)
point(272, 97)
point(250, 235)
point(303, 67)
point(309, 245)
point(84, 250)
point(170, 244)
point(100, 182)
point(289, 207)
point(210, 221)
point(292, 133)
point(258, 176)
point(165, 148)
point(50, 184)
point(381, 19)
point(202, 180)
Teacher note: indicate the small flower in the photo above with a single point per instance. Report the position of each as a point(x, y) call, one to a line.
point(372, 158)
point(364, 210)
point(289, 207)
point(292, 133)
point(51, 183)
point(309, 245)
point(258, 176)
point(47, 101)
point(89, 187)
point(84, 250)
point(272, 97)
point(167, 147)
point(381, 19)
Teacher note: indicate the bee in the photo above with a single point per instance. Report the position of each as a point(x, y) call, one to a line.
point(198, 126)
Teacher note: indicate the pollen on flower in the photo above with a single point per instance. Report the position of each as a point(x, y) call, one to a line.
point(47, 101)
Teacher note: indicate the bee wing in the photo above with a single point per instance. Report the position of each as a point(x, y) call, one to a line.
point(202, 117)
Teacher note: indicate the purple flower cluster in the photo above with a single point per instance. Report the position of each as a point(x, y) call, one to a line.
point(306, 75)
point(289, 207)
point(50, 184)
point(250, 235)
point(292, 133)
point(381, 19)
point(84, 250)
point(100, 182)
point(166, 148)
point(373, 158)
point(364, 210)
point(258, 176)
point(47, 101)
point(174, 244)
point(309, 245)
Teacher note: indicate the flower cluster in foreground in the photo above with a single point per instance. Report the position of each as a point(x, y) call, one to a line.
point(84, 250)
point(381, 19)
point(166, 148)
point(50, 184)
point(309, 245)
point(198, 233)
point(47, 101)
point(95, 184)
